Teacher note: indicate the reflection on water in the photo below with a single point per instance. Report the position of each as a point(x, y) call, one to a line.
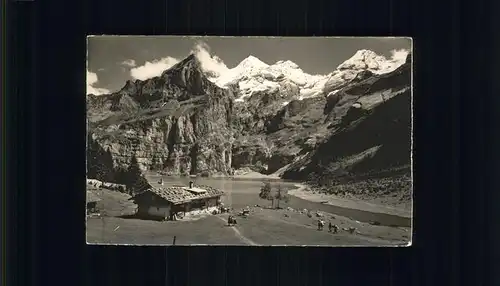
point(228, 185)
point(240, 193)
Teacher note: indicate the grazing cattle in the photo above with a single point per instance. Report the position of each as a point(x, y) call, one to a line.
point(321, 224)
point(244, 213)
point(231, 220)
point(334, 228)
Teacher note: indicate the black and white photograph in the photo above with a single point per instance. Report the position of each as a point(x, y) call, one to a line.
point(249, 141)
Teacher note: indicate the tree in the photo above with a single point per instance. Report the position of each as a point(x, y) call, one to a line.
point(94, 152)
point(133, 168)
point(281, 195)
point(107, 162)
point(99, 162)
point(266, 193)
point(135, 181)
point(155, 164)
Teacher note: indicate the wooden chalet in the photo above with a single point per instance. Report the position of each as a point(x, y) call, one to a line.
point(165, 202)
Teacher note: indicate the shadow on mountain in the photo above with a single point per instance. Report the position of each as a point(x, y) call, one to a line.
point(366, 141)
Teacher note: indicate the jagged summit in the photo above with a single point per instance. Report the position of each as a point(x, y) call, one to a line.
point(287, 63)
point(251, 62)
point(253, 75)
point(191, 57)
point(251, 58)
point(184, 121)
point(364, 59)
point(369, 60)
point(190, 62)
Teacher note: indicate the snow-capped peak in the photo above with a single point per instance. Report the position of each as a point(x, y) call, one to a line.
point(253, 75)
point(369, 60)
point(246, 68)
point(251, 62)
point(287, 64)
point(362, 60)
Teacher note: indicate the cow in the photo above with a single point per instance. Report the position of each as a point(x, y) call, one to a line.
point(321, 224)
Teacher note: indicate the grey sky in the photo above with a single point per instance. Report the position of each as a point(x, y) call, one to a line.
point(107, 54)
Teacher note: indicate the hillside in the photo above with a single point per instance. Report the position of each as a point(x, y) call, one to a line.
point(368, 153)
point(179, 122)
point(351, 124)
point(374, 133)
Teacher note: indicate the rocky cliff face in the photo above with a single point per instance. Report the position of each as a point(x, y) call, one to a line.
point(179, 122)
point(372, 137)
point(182, 123)
point(280, 131)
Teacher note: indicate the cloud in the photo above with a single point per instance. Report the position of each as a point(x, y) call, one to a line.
point(129, 63)
point(212, 64)
point(399, 55)
point(209, 63)
point(91, 82)
point(152, 69)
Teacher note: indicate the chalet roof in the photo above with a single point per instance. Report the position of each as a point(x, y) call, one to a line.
point(91, 197)
point(179, 195)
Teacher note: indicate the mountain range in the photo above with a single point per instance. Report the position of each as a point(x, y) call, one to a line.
point(272, 119)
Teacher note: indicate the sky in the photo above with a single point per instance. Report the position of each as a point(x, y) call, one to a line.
point(112, 60)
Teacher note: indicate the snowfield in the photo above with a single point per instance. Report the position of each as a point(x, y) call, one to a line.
point(253, 75)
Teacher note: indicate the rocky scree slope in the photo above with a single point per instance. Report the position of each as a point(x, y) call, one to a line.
point(370, 142)
point(279, 128)
point(183, 123)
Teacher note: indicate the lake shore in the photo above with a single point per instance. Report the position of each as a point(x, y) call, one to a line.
point(264, 226)
point(254, 176)
point(302, 191)
point(246, 173)
point(242, 175)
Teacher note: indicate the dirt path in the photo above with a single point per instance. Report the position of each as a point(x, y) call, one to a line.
point(239, 235)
